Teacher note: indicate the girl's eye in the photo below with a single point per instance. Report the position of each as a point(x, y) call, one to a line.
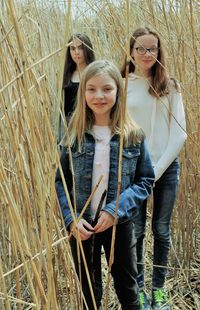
point(107, 89)
point(73, 48)
point(141, 49)
point(90, 89)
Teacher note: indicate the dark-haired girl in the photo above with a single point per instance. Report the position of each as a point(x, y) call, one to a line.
point(78, 55)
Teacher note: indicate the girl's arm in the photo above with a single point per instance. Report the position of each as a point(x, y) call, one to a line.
point(84, 228)
point(138, 191)
point(66, 213)
point(177, 135)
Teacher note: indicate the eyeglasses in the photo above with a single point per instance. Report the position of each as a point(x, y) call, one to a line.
point(142, 50)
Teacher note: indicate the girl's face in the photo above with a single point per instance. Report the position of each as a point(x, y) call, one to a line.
point(100, 96)
point(77, 53)
point(145, 53)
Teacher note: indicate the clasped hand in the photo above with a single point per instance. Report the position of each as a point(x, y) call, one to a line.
point(85, 229)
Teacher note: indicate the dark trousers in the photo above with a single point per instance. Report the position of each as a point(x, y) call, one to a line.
point(164, 196)
point(124, 268)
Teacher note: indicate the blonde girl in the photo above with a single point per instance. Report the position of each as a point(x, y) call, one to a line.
point(94, 132)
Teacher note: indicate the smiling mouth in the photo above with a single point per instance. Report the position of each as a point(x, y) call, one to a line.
point(100, 104)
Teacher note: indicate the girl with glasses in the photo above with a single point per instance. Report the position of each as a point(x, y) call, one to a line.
point(154, 101)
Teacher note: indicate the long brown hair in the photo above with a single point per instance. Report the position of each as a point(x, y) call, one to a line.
point(160, 79)
point(70, 65)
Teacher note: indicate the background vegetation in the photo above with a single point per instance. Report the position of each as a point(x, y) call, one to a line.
point(36, 270)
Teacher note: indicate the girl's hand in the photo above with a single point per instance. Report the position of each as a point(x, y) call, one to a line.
point(105, 221)
point(84, 228)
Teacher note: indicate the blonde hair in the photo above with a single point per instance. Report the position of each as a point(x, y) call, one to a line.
point(83, 119)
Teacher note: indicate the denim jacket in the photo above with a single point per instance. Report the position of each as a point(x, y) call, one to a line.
point(136, 180)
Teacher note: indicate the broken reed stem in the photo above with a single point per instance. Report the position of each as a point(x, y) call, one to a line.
point(3, 287)
point(111, 259)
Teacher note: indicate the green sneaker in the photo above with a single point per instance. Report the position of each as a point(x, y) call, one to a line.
point(144, 301)
point(159, 299)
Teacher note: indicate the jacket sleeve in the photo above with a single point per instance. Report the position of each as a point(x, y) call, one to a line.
point(133, 196)
point(177, 134)
point(66, 213)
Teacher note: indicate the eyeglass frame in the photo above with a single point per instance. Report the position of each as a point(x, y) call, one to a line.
point(147, 50)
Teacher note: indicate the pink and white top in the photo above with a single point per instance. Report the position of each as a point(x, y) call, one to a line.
point(101, 164)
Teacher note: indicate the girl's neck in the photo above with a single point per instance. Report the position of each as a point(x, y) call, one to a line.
point(101, 125)
point(76, 75)
point(101, 120)
point(81, 67)
point(145, 74)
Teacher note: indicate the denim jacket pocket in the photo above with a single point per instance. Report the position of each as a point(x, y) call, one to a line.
point(129, 160)
point(78, 162)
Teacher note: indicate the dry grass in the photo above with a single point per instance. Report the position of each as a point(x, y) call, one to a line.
point(36, 268)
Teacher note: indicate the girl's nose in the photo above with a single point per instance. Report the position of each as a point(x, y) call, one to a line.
point(148, 53)
point(99, 94)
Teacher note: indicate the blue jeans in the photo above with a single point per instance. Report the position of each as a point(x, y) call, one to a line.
point(164, 196)
point(123, 270)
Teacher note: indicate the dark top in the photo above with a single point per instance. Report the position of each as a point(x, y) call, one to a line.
point(70, 93)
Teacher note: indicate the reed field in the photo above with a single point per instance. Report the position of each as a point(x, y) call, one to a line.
point(36, 266)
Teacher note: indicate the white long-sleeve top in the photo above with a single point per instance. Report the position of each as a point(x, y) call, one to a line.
point(162, 119)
